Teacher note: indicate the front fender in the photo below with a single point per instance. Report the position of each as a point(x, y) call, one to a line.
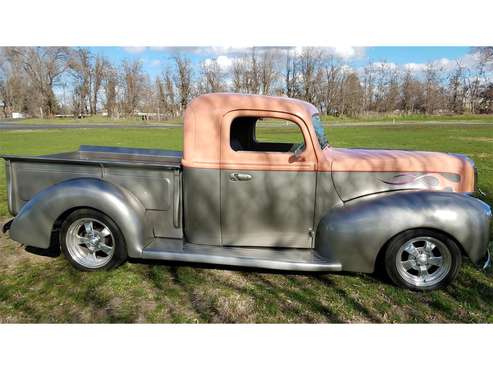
point(34, 223)
point(354, 233)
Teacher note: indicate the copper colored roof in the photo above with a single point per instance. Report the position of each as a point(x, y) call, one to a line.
point(204, 117)
point(222, 103)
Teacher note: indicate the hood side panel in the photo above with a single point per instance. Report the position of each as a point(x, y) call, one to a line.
point(350, 185)
point(358, 172)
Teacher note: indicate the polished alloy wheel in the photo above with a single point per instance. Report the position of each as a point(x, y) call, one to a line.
point(90, 243)
point(423, 261)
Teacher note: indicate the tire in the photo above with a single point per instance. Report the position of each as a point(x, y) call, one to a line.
point(91, 241)
point(422, 260)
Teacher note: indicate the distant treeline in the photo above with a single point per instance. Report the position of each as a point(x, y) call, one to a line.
point(46, 81)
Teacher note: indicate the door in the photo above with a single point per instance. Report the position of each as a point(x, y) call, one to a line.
point(268, 180)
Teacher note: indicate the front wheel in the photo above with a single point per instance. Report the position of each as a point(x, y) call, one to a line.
point(91, 241)
point(422, 260)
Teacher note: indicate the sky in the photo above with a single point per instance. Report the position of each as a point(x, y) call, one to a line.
point(155, 59)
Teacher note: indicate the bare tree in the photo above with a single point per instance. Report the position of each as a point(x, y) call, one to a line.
point(211, 77)
point(98, 73)
point(170, 94)
point(238, 72)
point(253, 73)
point(35, 81)
point(268, 72)
point(13, 88)
point(456, 90)
point(309, 62)
point(434, 97)
point(43, 66)
point(80, 68)
point(183, 80)
point(132, 85)
point(412, 93)
point(486, 102)
point(110, 87)
point(351, 94)
point(290, 73)
point(368, 86)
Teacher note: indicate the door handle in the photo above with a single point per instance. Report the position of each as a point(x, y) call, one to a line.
point(240, 176)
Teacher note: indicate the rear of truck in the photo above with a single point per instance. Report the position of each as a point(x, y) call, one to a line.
point(153, 177)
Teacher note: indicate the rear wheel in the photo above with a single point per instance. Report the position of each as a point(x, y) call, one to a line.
point(422, 260)
point(91, 241)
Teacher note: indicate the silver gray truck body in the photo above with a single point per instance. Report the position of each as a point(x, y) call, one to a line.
point(169, 213)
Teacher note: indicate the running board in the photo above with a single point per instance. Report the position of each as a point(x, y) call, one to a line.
point(269, 258)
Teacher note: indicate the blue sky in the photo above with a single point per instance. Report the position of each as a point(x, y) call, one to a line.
point(155, 59)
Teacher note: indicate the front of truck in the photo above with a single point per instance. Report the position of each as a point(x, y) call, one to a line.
point(360, 173)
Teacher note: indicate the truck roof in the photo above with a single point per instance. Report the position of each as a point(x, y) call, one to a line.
point(222, 103)
point(204, 114)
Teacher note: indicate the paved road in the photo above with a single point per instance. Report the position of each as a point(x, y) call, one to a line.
point(47, 126)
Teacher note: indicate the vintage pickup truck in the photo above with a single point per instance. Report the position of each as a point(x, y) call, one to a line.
point(232, 199)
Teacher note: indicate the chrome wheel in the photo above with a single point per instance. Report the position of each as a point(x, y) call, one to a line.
point(423, 261)
point(90, 242)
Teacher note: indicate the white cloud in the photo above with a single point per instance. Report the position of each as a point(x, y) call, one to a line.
point(415, 67)
point(155, 63)
point(349, 52)
point(443, 63)
point(298, 50)
point(341, 51)
point(387, 65)
point(345, 68)
point(224, 61)
point(469, 60)
point(134, 49)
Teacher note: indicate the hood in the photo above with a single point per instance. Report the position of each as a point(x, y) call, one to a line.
point(358, 172)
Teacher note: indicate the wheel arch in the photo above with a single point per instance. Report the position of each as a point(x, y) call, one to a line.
point(43, 214)
point(356, 233)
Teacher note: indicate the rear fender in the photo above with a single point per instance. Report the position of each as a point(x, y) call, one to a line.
point(35, 221)
point(354, 233)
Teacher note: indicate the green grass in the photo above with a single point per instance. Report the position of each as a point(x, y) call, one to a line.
point(375, 118)
point(94, 120)
point(37, 288)
point(476, 118)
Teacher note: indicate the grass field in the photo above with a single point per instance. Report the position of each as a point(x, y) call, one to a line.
point(425, 118)
point(94, 120)
point(36, 288)
point(372, 118)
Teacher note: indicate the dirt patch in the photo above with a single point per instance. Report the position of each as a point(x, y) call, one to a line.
point(13, 253)
point(481, 139)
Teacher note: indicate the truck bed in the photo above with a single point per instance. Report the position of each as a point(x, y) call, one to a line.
point(152, 176)
point(110, 155)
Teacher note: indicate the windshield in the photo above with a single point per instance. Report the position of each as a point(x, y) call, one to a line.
point(319, 131)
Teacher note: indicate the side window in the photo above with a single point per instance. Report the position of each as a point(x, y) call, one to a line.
point(259, 134)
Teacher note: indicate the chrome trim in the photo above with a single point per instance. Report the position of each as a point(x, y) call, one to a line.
point(487, 264)
point(482, 193)
point(176, 199)
point(10, 187)
point(98, 162)
point(90, 243)
point(289, 259)
point(423, 261)
point(235, 176)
